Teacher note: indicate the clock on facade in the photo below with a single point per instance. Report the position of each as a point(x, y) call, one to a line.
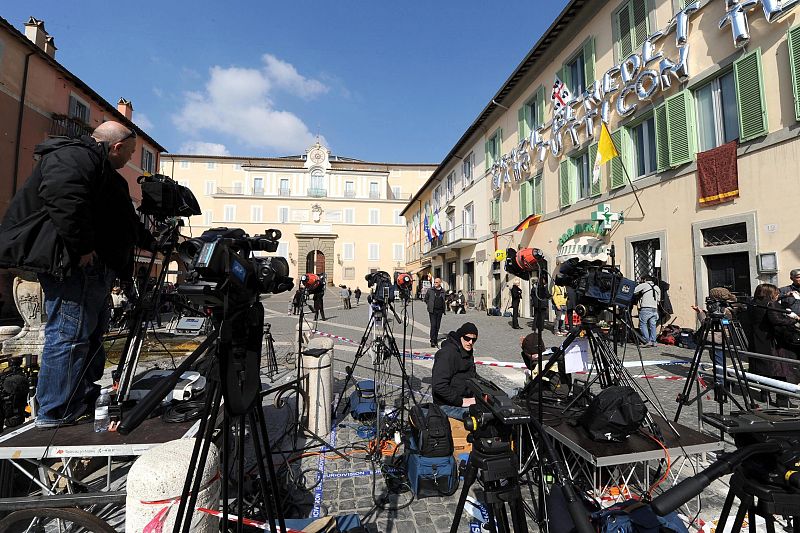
point(317, 156)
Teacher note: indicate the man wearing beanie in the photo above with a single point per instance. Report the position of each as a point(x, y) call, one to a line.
point(453, 365)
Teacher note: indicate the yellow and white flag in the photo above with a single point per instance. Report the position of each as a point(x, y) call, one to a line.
point(606, 151)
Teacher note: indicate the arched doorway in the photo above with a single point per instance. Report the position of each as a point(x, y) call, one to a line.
point(315, 262)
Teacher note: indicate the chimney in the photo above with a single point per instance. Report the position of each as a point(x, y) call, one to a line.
point(125, 107)
point(34, 30)
point(50, 46)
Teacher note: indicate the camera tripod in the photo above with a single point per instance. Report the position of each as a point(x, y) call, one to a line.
point(234, 352)
point(731, 337)
point(385, 348)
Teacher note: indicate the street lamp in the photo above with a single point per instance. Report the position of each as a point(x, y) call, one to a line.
point(493, 227)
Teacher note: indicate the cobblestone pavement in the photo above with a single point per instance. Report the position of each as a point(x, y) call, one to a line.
point(346, 488)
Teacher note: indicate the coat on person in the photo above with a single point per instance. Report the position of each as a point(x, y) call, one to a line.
point(452, 366)
point(766, 321)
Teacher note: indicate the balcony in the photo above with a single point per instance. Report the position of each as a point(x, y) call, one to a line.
point(314, 192)
point(454, 239)
point(284, 191)
point(374, 195)
point(64, 126)
point(349, 194)
point(230, 190)
point(258, 192)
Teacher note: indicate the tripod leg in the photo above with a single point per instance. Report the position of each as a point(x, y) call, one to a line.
point(502, 517)
point(470, 474)
point(358, 356)
point(518, 519)
point(226, 447)
point(267, 493)
point(691, 377)
point(747, 502)
point(270, 466)
point(240, 427)
point(726, 510)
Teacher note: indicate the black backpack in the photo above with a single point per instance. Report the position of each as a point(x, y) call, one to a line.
point(613, 414)
point(430, 430)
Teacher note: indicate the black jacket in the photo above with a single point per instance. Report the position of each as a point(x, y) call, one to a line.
point(516, 294)
point(766, 339)
point(430, 300)
point(452, 367)
point(86, 201)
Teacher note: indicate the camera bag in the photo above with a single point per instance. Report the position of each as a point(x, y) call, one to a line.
point(430, 429)
point(14, 387)
point(363, 404)
point(613, 414)
point(430, 476)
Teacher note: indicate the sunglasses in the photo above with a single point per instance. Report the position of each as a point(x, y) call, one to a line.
point(473, 340)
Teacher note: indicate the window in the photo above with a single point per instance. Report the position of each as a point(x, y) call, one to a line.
point(348, 251)
point(466, 170)
point(258, 186)
point(283, 250)
point(630, 26)
point(396, 192)
point(725, 235)
point(717, 120)
point(208, 217)
point(674, 139)
point(283, 214)
point(184, 164)
point(78, 109)
point(350, 216)
point(493, 148)
point(643, 136)
point(437, 197)
point(148, 160)
point(349, 273)
point(349, 189)
point(450, 185)
point(255, 213)
point(644, 257)
point(397, 252)
point(575, 177)
point(317, 183)
point(211, 187)
point(531, 113)
point(578, 72)
point(237, 187)
point(230, 213)
point(374, 251)
point(211, 165)
point(283, 189)
point(494, 213)
point(398, 220)
point(583, 176)
point(237, 166)
point(374, 217)
point(374, 193)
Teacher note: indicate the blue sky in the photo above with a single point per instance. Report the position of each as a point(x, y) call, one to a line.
point(379, 81)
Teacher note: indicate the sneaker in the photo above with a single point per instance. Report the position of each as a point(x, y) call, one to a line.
point(434, 345)
point(84, 415)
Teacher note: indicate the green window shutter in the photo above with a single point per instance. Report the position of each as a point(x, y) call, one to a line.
point(566, 76)
point(565, 182)
point(617, 169)
point(622, 26)
point(538, 120)
point(524, 192)
point(680, 136)
point(486, 148)
point(588, 61)
point(498, 143)
point(640, 27)
point(662, 142)
point(596, 189)
point(521, 122)
point(750, 96)
point(538, 204)
point(794, 63)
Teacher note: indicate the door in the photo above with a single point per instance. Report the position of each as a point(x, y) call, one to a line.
point(451, 276)
point(731, 271)
point(315, 262)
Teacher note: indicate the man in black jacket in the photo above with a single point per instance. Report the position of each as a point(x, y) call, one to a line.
point(92, 229)
point(540, 300)
point(516, 297)
point(452, 366)
point(435, 302)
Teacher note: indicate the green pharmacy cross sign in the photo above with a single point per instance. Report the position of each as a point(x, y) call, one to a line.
point(606, 217)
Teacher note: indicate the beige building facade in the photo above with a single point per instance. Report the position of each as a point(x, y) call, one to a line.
point(338, 216)
point(675, 82)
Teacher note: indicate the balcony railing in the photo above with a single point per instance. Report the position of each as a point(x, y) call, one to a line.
point(258, 192)
point(374, 195)
point(64, 126)
point(317, 193)
point(453, 238)
point(284, 191)
point(349, 194)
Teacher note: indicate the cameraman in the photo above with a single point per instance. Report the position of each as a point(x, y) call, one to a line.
point(90, 229)
point(516, 298)
point(452, 366)
point(648, 295)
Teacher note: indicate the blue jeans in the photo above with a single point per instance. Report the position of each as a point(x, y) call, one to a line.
point(454, 412)
point(648, 322)
point(78, 310)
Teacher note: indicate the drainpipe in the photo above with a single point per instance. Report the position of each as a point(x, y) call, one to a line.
point(19, 123)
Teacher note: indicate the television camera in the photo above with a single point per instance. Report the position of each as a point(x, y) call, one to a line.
point(163, 197)
point(597, 286)
point(221, 263)
point(521, 263)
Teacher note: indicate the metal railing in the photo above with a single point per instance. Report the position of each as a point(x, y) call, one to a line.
point(317, 193)
point(258, 192)
point(284, 191)
point(64, 126)
point(454, 235)
point(349, 194)
point(374, 195)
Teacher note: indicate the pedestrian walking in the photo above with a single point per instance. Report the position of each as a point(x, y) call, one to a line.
point(357, 294)
point(435, 303)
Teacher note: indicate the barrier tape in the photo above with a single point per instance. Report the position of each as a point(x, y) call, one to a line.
point(316, 511)
point(246, 521)
point(156, 524)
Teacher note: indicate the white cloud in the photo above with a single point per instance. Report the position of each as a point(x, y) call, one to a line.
point(141, 120)
point(237, 102)
point(285, 76)
point(203, 148)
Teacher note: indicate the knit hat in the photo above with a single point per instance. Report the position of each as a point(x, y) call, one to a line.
point(467, 328)
point(532, 344)
point(721, 293)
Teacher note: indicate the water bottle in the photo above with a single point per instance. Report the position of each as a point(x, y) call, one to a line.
point(101, 419)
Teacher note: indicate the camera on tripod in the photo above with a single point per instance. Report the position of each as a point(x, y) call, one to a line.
point(163, 197)
point(381, 284)
point(598, 286)
point(492, 405)
point(716, 307)
point(221, 262)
